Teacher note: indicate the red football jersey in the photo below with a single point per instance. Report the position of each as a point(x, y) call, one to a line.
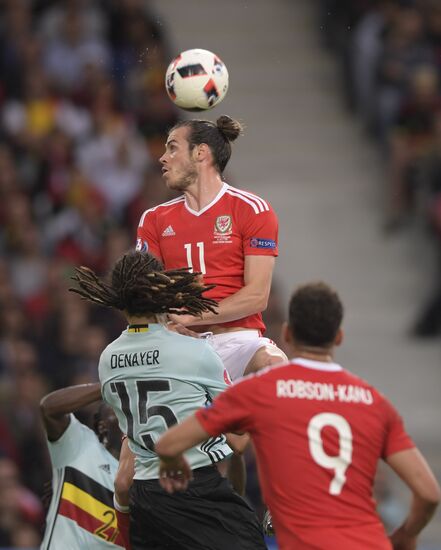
point(319, 432)
point(214, 240)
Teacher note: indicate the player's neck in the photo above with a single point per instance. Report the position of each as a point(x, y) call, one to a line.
point(324, 355)
point(143, 320)
point(204, 190)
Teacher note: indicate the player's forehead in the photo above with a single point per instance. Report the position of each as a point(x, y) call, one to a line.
point(177, 136)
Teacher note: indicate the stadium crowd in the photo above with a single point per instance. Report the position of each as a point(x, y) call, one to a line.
point(389, 52)
point(83, 114)
point(83, 120)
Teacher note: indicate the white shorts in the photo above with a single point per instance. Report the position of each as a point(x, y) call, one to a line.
point(237, 348)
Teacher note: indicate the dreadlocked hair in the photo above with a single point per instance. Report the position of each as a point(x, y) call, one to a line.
point(140, 286)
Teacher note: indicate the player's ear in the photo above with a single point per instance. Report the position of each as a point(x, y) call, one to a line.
point(286, 333)
point(202, 151)
point(339, 337)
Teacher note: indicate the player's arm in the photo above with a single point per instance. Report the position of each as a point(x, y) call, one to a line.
point(238, 442)
point(56, 406)
point(236, 469)
point(174, 470)
point(124, 474)
point(226, 414)
point(180, 438)
point(146, 235)
point(251, 298)
point(220, 381)
point(413, 469)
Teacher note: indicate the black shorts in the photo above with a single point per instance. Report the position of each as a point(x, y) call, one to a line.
point(209, 515)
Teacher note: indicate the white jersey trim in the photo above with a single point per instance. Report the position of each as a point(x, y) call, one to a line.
point(316, 365)
point(258, 205)
point(169, 203)
point(263, 205)
point(212, 203)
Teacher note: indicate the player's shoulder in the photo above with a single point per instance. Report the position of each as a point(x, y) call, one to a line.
point(265, 375)
point(75, 431)
point(183, 341)
point(356, 380)
point(246, 199)
point(114, 344)
point(117, 347)
point(196, 354)
point(163, 208)
point(354, 384)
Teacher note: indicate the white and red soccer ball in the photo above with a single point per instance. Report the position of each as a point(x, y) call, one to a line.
point(196, 80)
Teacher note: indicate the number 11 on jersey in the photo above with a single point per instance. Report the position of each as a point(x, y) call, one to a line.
point(188, 247)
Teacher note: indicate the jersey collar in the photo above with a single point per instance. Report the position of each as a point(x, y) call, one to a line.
point(212, 203)
point(131, 329)
point(138, 328)
point(316, 365)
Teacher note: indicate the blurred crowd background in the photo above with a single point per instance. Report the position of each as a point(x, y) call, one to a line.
point(83, 115)
point(83, 119)
point(389, 53)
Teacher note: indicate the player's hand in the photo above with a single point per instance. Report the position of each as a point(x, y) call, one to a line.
point(174, 474)
point(402, 541)
point(181, 329)
point(185, 320)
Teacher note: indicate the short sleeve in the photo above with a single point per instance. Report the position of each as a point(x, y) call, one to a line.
point(230, 411)
point(397, 438)
point(74, 439)
point(260, 233)
point(147, 238)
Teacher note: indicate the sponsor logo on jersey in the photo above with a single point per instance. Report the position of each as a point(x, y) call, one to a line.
point(223, 225)
point(255, 242)
point(105, 467)
point(141, 246)
point(168, 232)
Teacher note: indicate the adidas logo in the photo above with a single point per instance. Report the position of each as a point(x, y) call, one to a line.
point(105, 467)
point(168, 232)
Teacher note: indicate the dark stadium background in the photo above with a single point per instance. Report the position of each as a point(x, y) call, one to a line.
point(323, 87)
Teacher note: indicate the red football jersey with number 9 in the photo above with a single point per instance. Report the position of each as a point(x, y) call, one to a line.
point(319, 432)
point(214, 240)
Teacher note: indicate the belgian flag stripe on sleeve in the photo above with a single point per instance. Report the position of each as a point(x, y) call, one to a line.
point(105, 528)
point(90, 505)
point(84, 520)
point(84, 501)
point(89, 485)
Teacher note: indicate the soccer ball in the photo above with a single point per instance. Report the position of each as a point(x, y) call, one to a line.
point(196, 80)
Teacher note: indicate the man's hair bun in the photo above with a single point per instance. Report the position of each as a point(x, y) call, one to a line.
point(231, 129)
